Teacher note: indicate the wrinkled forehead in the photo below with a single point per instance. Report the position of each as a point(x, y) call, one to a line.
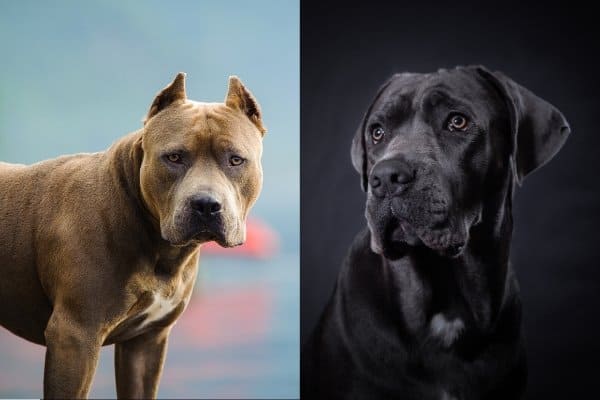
point(411, 92)
point(195, 123)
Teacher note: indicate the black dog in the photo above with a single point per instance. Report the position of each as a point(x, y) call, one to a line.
point(426, 305)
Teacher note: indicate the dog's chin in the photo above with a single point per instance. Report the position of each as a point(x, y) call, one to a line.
point(443, 241)
point(227, 243)
point(203, 236)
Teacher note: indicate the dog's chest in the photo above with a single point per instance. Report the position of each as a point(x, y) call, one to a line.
point(161, 306)
point(158, 305)
point(166, 300)
point(446, 330)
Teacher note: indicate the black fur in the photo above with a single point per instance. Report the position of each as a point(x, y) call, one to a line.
point(437, 244)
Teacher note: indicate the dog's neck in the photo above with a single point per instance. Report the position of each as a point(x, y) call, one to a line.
point(468, 290)
point(123, 162)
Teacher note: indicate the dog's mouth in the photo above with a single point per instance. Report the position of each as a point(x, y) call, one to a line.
point(220, 234)
point(194, 231)
point(405, 228)
point(400, 236)
point(205, 236)
point(219, 237)
point(400, 231)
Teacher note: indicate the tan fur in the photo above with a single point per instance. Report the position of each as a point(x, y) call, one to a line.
point(88, 241)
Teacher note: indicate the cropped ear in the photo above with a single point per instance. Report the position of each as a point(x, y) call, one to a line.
point(539, 130)
point(358, 150)
point(173, 92)
point(240, 98)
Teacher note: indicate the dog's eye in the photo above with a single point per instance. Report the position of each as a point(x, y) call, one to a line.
point(174, 158)
point(377, 134)
point(457, 122)
point(236, 160)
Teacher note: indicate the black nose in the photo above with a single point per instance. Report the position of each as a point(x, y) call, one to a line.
point(206, 206)
point(391, 176)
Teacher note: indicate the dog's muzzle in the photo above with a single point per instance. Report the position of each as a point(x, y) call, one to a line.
point(206, 218)
point(410, 210)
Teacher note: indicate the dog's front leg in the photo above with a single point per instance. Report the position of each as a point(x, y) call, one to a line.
point(139, 362)
point(71, 357)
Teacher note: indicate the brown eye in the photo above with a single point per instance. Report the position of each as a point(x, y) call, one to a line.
point(377, 134)
point(236, 160)
point(457, 122)
point(174, 158)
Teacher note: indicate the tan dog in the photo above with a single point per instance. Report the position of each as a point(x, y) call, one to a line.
point(103, 248)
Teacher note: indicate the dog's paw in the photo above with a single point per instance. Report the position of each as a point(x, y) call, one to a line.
point(446, 331)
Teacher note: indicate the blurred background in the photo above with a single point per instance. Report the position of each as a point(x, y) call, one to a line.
point(76, 76)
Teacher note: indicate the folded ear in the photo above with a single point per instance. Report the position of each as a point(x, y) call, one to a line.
point(240, 98)
point(173, 92)
point(358, 150)
point(539, 130)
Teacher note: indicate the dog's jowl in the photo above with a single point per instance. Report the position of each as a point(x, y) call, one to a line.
point(103, 248)
point(426, 305)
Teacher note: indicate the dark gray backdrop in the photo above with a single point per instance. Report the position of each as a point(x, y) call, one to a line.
point(347, 51)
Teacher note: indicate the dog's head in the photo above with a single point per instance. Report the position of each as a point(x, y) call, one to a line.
point(431, 147)
point(201, 169)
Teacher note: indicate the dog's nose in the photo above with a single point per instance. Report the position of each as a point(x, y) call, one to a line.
point(206, 206)
point(391, 176)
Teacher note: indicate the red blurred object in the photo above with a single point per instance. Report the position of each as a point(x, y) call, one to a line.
point(247, 320)
point(262, 242)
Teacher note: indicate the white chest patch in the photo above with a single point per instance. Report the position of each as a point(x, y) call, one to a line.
point(446, 396)
point(159, 309)
point(161, 306)
point(446, 331)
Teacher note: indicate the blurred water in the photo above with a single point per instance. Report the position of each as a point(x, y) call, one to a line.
point(76, 76)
